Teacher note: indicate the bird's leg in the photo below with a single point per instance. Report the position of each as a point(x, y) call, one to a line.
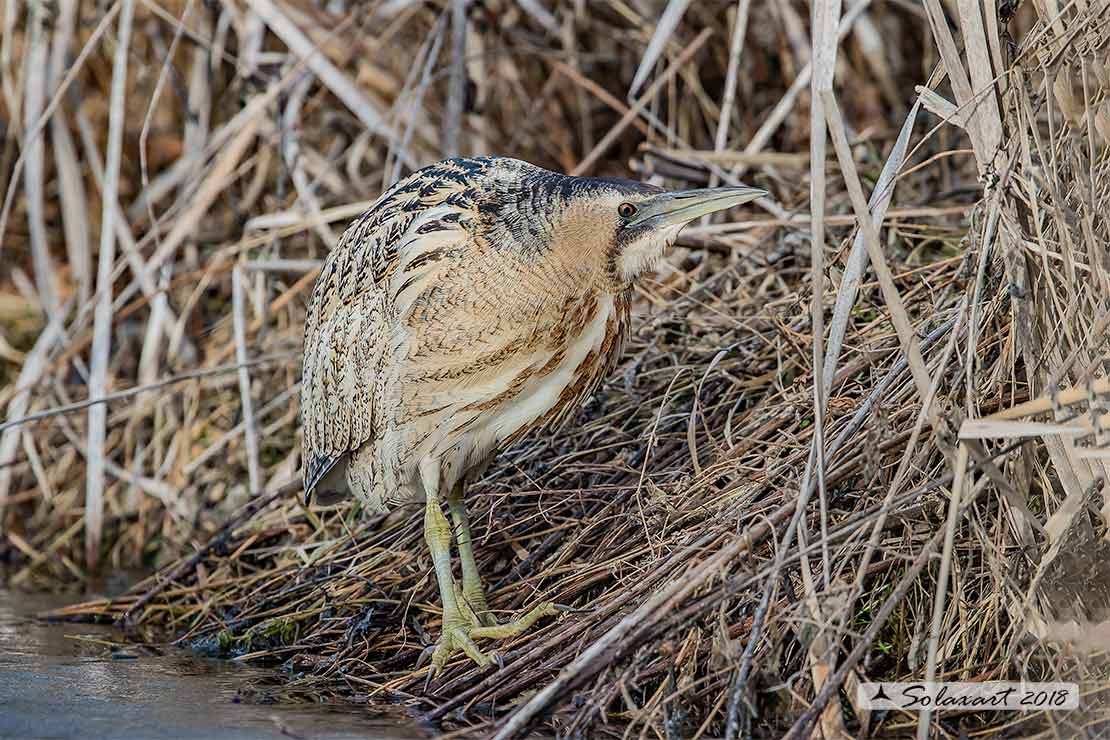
point(461, 626)
point(472, 590)
point(472, 593)
point(456, 626)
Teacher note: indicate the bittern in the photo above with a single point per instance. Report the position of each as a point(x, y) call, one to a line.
point(477, 300)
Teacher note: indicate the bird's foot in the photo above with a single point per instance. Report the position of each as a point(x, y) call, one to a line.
point(463, 627)
point(456, 638)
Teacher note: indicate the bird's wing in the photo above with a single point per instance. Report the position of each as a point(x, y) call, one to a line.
point(351, 319)
point(343, 336)
point(345, 329)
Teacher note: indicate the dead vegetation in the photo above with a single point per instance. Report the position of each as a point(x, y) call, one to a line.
point(737, 562)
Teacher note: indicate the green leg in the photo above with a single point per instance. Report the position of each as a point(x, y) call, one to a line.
point(462, 620)
point(472, 590)
point(456, 626)
point(472, 593)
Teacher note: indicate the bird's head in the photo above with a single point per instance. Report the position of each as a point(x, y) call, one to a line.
point(621, 225)
point(638, 223)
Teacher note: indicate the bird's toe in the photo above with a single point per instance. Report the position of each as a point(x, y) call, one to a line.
point(517, 626)
point(456, 639)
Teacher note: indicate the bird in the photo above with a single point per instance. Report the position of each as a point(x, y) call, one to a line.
point(477, 300)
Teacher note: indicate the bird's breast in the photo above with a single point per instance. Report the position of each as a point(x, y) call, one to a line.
point(515, 372)
point(570, 376)
point(555, 382)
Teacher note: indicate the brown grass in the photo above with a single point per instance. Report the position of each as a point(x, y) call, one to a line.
point(878, 460)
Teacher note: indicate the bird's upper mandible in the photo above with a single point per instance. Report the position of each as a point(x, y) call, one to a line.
point(472, 302)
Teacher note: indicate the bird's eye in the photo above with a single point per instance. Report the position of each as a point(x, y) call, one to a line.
point(626, 210)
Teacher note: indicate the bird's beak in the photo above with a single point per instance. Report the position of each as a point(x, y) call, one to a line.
point(683, 206)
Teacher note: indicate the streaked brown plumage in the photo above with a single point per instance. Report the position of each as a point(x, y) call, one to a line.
point(476, 301)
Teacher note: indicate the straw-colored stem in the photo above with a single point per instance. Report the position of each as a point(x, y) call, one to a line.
point(102, 317)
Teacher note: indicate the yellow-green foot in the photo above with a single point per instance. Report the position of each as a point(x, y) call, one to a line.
point(463, 627)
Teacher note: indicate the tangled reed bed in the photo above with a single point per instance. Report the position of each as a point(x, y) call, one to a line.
point(719, 583)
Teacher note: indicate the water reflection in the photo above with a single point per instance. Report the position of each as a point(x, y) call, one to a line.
point(80, 681)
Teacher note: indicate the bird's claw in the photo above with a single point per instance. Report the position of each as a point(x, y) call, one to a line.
point(571, 610)
point(483, 616)
point(431, 674)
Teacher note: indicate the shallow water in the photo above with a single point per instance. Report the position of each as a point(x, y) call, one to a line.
point(82, 681)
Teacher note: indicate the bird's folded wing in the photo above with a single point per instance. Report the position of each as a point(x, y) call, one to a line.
point(352, 318)
point(345, 329)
